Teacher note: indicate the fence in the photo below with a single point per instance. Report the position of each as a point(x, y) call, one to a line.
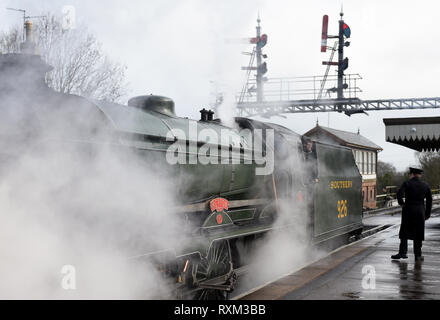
point(389, 198)
point(297, 88)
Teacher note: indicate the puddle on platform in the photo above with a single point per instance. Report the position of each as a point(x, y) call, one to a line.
point(353, 295)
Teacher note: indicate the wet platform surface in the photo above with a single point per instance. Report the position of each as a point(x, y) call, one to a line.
point(364, 270)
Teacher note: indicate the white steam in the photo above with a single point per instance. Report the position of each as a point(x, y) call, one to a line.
point(69, 201)
point(288, 247)
point(60, 209)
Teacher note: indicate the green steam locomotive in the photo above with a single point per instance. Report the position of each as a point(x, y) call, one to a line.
point(234, 181)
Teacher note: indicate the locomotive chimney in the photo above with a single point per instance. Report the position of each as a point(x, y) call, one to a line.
point(204, 115)
point(210, 115)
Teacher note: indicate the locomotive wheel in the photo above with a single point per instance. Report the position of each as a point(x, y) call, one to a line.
point(216, 264)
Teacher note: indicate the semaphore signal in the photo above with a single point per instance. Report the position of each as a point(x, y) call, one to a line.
point(260, 40)
point(309, 94)
point(344, 32)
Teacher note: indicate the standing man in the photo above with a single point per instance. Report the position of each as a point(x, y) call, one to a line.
point(414, 213)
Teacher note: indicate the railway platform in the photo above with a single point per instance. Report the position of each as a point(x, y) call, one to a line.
point(364, 269)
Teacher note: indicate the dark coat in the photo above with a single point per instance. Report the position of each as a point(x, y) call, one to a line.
point(414, 212)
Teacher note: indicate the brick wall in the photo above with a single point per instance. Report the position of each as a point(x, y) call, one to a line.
point(369, 194)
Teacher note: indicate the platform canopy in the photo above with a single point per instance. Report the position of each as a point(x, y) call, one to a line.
point(421, 134)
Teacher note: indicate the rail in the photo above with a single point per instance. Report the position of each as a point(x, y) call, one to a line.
point(306, 87)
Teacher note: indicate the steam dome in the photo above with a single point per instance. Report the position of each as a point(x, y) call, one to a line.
point(158, 104)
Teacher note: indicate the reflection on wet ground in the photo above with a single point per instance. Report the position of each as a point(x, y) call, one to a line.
point(364, 270)
point(411, 284)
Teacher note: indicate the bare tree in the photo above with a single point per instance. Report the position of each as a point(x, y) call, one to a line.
point(430, 163)
point(10, 41)
point(80, 66)
point(387, 176)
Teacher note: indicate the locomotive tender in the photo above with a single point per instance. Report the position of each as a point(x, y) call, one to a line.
point(226, 203)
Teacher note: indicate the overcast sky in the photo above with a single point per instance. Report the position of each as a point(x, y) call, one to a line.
point(177, 48)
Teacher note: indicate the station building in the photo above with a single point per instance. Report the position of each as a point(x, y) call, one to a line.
point(364, 151)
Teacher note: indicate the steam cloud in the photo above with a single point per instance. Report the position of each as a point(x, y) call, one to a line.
point(60, 209)
point(73, 195)
point(66, 201)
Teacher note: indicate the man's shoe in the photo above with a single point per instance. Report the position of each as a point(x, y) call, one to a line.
point(399, 256)
point(419, 258)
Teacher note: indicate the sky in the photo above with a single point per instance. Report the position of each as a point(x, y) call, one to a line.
point(180, 49)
